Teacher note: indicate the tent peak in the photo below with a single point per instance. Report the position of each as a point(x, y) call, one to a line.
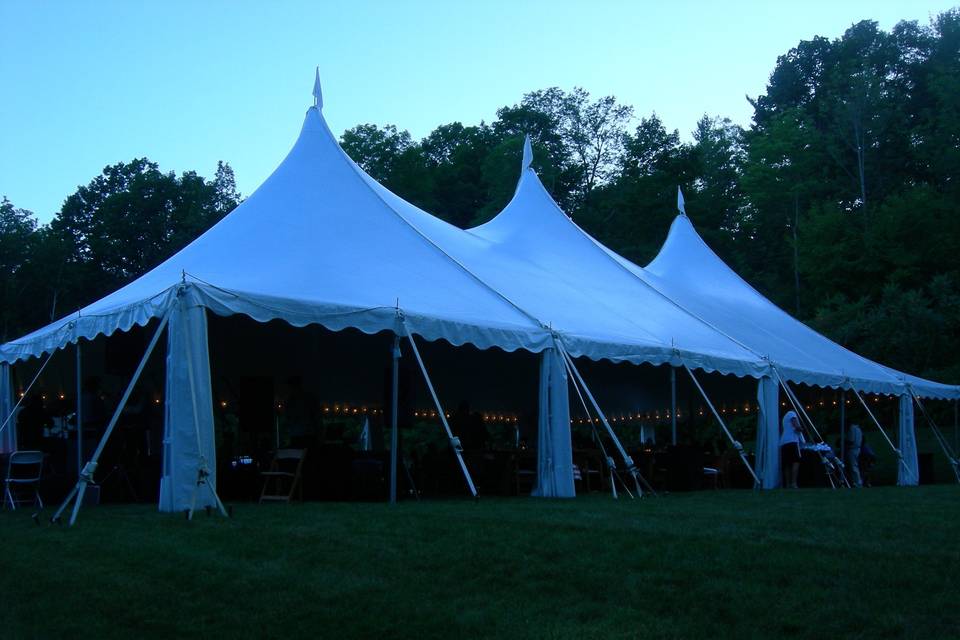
point(527, 154)
point(680, 205)
point(317, 93)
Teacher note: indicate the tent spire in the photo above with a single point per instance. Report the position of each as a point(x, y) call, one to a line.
point(527, 154)
point(680, 206)
point(317, 94)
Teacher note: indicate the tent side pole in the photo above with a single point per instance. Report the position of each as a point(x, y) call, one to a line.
point(79, 413)
point(673, 404)
point(843, 425)
point(394, 435)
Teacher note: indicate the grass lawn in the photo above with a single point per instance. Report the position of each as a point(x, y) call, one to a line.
point(880, 563)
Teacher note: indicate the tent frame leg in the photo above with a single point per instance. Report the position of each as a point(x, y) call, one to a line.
point(394, 435)
point(736, 444)
point(834, 472)
point(628, 461)
point(9, 419)
point(941, 439)
point(86, 474)
point(882, 431)
point(454, 441)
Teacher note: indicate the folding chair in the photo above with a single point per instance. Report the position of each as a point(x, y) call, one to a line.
point(283, 478)
point(24, 469)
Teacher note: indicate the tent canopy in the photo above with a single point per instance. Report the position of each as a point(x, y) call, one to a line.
point(322, 242)
point(688, 293)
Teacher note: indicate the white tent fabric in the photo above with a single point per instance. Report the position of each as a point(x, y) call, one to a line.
point(688, 271)
point(188, 439)
point(768, 433)
point(908, 474)
point(554, 447)
point(291, 251)
point(8, 436)
point(687, 296)
point(322, 242)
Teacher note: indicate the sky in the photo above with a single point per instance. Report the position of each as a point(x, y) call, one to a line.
point(85, 85)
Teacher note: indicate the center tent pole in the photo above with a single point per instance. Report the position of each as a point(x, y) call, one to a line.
point(86, 476)
point(673, 404)
point(843, 425)
point(454, 442)
point(394, 435)
point(736, 444)
point(79, 414)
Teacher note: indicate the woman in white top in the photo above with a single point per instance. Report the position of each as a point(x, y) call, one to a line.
point(791, 437)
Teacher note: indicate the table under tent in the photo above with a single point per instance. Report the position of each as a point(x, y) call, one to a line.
point(322, 243)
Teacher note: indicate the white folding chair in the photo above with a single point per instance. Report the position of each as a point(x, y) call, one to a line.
point(24, 469)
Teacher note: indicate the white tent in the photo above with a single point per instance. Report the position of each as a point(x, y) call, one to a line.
point(695, 280)
point(322, 242)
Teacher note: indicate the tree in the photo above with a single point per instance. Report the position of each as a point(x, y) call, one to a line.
point(17, 241)
point(377, 150)
point(128, 220)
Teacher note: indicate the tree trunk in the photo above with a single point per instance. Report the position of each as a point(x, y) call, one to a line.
point(796, 252)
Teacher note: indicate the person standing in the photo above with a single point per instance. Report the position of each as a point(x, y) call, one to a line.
point(791, 437)
point(853, 444)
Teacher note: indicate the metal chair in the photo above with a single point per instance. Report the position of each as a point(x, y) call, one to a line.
point(24, 469)
point(283, 478)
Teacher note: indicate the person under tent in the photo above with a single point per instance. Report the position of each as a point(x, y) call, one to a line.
point(791, 439)
point(853, 443)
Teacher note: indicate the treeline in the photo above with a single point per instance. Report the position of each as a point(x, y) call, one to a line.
point(840, 202)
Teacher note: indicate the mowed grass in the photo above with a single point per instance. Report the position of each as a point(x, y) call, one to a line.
point(880, 563)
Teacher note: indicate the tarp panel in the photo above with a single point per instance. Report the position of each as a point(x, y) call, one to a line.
point(768, 433)
point(908, 474)
point(188, 441)
point(554, 448)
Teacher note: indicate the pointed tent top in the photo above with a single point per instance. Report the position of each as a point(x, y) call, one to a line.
point(680, 207)
point(317, 94)
point(527, 154)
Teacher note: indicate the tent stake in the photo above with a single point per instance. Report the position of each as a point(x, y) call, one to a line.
point(86, 475)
